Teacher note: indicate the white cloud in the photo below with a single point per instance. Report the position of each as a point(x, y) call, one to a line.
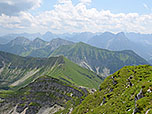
point(66, 17)
point(14, 7)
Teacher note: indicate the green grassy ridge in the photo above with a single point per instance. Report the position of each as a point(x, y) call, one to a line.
point(17, 67)
point(120, 97)
point(96, 57)
point(26, 62)
point(74, 74)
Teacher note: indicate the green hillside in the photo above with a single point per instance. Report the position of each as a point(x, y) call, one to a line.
point(97, 59)
point(16, 71)
point(75, 74)
point(128, 91)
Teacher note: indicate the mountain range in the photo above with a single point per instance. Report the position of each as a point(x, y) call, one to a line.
point(93, 73)
point(120, 41)
point(101, 61)
point(36, 48)
point(97, 59)
point(140, 43)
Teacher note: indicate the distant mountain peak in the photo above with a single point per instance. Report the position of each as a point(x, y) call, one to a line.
point(48, 32)
point(19, 41)
point(82, 44)
point(120, 34)
point(108, 33)
point(60, 41)
point(38, 40)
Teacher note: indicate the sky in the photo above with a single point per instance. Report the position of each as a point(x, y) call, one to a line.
point(68, 16)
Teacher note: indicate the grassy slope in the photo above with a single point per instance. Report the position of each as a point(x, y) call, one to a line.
point(120, 97)
point(96, 57)
point(17, 67)
point(75, 74)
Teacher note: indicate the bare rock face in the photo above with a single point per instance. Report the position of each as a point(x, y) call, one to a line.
point(139, 96)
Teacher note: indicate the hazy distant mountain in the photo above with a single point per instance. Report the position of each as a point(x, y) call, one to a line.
point(16, 46)
point(118, 42)
point(111, 41)
point(48, 36)
point(49, 48)
point(97, 59)
point(145, 39)
point(7, 38)
point(30, 36)
point(36, 48)
point(38, 43)
point(80, 37)
point(102, 40)
point(21, 41)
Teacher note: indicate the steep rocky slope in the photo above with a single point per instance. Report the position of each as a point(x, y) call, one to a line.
point(44, 95)
point(127, 91)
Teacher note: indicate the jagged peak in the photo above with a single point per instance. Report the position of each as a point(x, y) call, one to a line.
point(20, 39)
point(107, 33)
point(48, 32)
point(38, 39)
point(59, 39)
point(121, 34)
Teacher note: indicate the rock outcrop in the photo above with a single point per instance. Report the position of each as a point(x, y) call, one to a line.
point(44, 92)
